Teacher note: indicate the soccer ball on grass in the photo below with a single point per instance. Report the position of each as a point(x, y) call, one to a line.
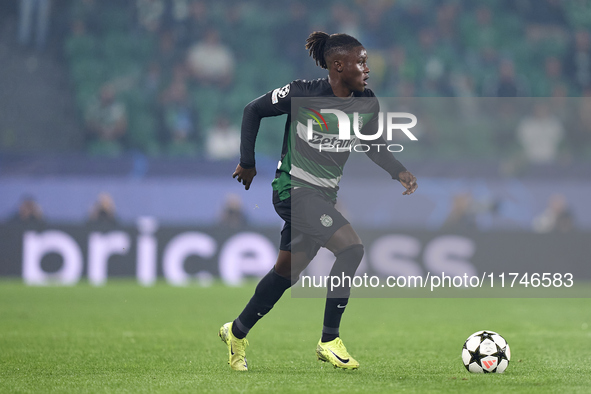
point(486, 352)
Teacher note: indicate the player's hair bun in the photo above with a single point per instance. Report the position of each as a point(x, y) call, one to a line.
point(316, 44)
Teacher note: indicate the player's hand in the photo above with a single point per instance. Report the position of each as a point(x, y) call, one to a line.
point(409, 181)
point(244, 175)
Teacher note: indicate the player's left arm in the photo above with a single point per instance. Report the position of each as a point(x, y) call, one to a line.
point(409, 181)
point(386, 159)
point(388, 162)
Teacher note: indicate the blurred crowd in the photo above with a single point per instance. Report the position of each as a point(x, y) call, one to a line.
point(465, 214)
point(29, 212)
point(170, 77)
point(103, 212)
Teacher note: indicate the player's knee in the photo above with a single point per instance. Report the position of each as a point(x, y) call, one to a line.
point(289, 273)
point(348, 260)
point(354, 252)
point(283, 270)
point(283, 264)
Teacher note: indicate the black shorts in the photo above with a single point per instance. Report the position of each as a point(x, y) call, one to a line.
point(310, 220)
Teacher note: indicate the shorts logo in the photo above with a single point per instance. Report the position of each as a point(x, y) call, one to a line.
point(326, 220)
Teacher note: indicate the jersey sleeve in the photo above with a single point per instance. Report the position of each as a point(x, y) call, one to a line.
point(381, 157)
point(274, 103)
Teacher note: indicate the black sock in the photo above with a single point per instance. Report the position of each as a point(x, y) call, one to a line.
point(268, 292)
point(336, 299)
point(333, 311)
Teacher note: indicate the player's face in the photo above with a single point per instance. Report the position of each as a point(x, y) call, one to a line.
point(355, 70)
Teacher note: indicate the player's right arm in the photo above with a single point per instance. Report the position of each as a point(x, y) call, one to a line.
point(276, 102)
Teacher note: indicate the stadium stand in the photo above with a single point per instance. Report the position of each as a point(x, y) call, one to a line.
point(425, 49)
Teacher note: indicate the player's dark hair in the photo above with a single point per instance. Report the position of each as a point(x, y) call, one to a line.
point(321, 45)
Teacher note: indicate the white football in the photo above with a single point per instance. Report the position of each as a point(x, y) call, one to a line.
point(486, 352)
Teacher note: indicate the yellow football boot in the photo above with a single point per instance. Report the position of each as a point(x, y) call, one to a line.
point(236, 348)
point(335, 353)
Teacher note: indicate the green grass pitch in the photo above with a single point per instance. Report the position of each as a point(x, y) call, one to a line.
point(126, 338)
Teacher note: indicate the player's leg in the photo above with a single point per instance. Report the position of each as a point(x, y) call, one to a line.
point(346, 245)
point(348, 249)
point(268, 291)
point(292, 260)
point(292, 268)
point(315, 215)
